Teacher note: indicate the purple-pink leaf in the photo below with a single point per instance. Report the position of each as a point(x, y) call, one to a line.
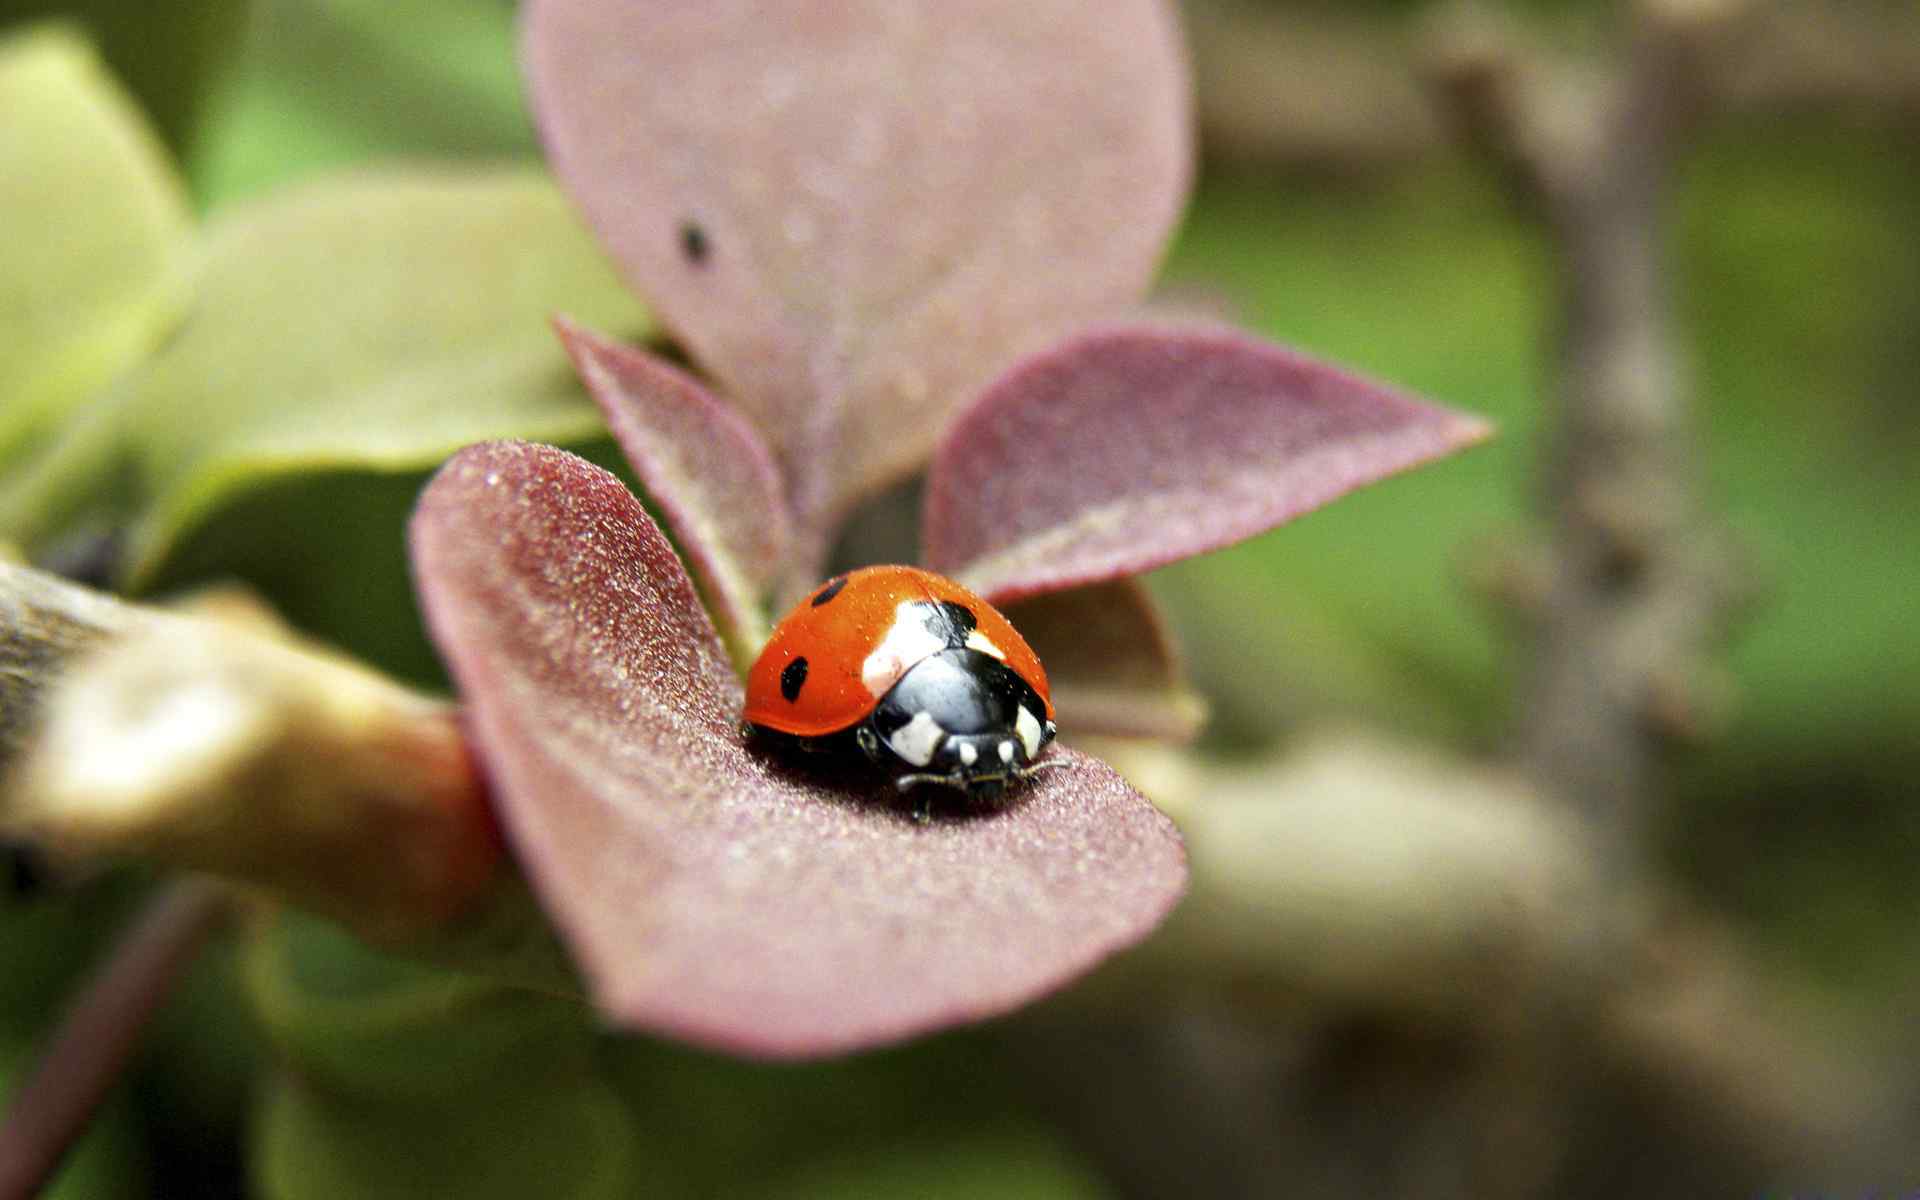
point(1110, 662)
point(702, 463)
point(1130, 447)
point(855, 213)
point(709, 891)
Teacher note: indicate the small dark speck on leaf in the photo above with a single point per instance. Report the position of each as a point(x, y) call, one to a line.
point(694, 243)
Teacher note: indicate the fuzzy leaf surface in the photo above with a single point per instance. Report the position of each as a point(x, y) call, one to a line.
point(710, 890)
point(713, 478)
point(1133, 446)
point(854, 213)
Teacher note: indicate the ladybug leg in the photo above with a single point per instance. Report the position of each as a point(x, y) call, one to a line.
point(987, 793)
point(922, 808)
point(923, 799)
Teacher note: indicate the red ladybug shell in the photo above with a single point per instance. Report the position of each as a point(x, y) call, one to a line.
point(857, 643)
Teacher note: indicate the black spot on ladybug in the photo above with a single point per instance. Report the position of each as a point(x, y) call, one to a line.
point(830, 591)
point(792, 677)
point(694, 243)
point(950, 622)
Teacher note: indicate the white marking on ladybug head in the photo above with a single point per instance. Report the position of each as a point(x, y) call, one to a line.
point(908, 640)
point(984, 644)
point(969, 754)
point(917, 739)
point(1006, 751)
point(1028, 727)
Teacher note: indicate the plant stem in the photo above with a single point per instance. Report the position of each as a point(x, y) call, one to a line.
point(1638, 585)
point(1267, 74)
point(44, 622)
point(94, 1042)
point(1639, 582)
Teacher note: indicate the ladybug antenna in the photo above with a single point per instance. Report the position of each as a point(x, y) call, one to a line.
point(908, 782)
point(1032, 769)
point(961, 782)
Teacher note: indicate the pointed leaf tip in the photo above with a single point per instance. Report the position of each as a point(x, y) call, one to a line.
point(713, 478)
point(855, 213)
point(1134, 446)
point(1111, 662)
point(706, 889)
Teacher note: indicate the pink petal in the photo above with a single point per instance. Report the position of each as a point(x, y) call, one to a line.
point(1111, 662)
point(1131, 447)
point(706, 890)
point(713, 478)
point(855, 213)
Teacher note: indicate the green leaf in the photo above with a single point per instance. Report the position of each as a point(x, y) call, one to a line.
point(407, 1080)
point(171, 57)
point(376, 321)
point(328, 83)
point(91, 264)
point(737, 1127)
point(355, 1019)
point(1002, 1162)
point(48, 940)
point(548, 1133)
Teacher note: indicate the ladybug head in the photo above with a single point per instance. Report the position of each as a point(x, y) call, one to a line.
point(962, 719)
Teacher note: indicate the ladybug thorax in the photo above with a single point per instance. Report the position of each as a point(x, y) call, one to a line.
point(920, 630)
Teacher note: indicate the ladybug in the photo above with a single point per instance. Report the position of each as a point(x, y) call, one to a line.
point(914, 672)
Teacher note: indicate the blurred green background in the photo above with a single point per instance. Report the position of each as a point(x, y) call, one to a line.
point(1796, 248)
